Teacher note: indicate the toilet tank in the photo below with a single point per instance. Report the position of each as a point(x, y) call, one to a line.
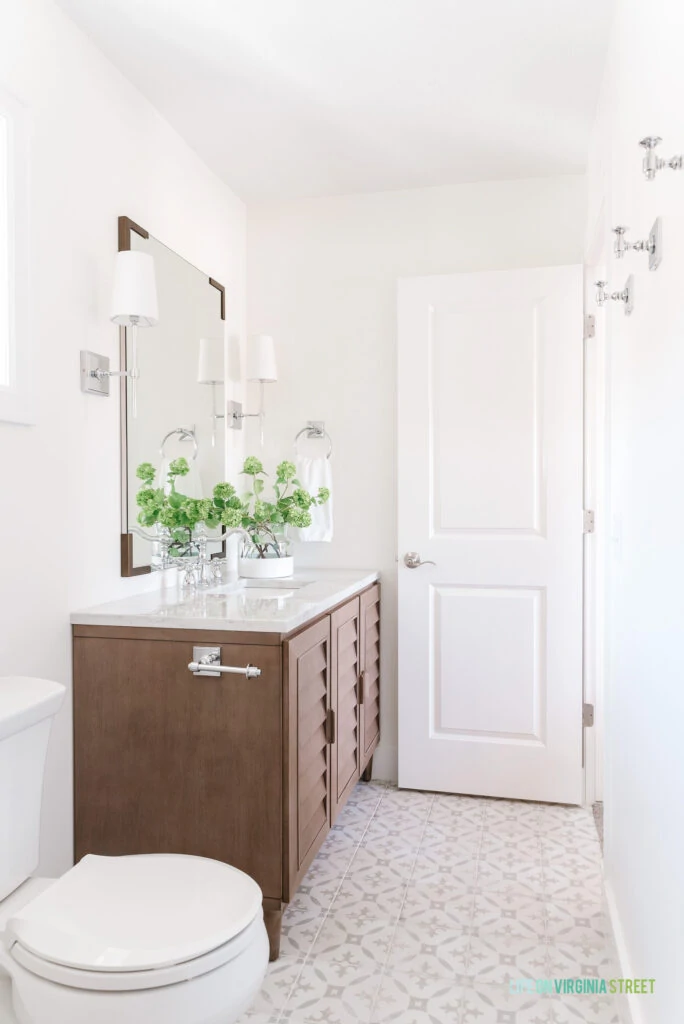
point(27, 707)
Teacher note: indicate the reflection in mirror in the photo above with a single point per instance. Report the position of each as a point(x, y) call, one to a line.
point(179, 391)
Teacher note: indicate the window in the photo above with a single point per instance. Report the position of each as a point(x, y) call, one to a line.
point(16, 384)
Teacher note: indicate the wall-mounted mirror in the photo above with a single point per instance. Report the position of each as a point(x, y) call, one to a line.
point(171, 409)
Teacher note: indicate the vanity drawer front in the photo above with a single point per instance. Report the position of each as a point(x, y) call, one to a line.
point(170, 762)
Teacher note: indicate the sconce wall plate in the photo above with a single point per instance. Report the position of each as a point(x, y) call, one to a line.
point(94, 374)
point(234, 415)
point(653, 245)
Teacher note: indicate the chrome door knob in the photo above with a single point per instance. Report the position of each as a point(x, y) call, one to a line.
point(412, 560)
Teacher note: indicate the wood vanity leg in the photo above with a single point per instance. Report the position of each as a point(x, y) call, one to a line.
point(367, 773)
point(273, 919)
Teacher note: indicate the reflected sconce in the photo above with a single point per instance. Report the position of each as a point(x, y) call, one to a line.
point(210, 370)
point(261, 369)
point(134, 304)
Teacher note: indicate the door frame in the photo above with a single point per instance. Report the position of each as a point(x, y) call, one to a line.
point(596, 498)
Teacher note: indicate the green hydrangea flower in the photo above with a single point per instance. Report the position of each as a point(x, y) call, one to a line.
point(286, 471)
point(223, 492)
point(148, 498)
point(298, 517)
point(302, 498)
point(231, 517)
point(206, 509)
point(179, 467)
point(323, 495)
point(169, 517)
point(252, 466)
point(191, 511)
point(261, 511)
point(146, 472)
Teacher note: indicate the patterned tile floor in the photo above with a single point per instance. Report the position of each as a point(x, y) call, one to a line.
point(421, 909)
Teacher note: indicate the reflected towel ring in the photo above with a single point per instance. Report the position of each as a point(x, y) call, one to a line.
point(185, 435)
point(315, 430)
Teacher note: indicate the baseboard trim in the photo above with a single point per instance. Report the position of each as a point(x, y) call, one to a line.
point(385, 763)
point(630, 1012)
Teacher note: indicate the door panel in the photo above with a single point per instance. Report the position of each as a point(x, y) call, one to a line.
point(490, 489)
point(164, 758)
point(486, 478)
point(370, 669)
point(464, 621)
point(308, 670)
point(346, 662)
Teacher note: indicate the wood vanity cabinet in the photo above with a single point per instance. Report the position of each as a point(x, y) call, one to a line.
point(248, 771)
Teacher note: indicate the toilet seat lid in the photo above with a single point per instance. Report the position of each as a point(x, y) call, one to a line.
point(137, 913)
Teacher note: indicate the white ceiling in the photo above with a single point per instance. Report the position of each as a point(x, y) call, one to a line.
point(286, 98)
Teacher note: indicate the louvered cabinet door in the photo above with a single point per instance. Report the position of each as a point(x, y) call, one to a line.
point(345, 649)
point(309, 735)
point(370, 673)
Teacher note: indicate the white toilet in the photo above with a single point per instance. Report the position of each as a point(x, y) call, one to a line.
point(116, 940)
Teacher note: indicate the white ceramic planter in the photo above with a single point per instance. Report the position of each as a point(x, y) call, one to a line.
point(266, 568)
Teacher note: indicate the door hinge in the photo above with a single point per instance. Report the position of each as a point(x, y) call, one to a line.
point(587, 715)
point(589, 521)
point(589, 325)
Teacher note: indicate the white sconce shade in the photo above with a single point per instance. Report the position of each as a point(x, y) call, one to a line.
point(261, 360)
point(210, 368)
point(134, 298)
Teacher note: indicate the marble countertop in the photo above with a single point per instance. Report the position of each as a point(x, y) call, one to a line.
point(260, 606)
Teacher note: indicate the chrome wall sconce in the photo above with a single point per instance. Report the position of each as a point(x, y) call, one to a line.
point(654, 163)
point(653, 245)
point(626, 295)
point(134, 304)
point(261, 369)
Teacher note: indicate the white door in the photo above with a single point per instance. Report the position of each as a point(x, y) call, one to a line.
point(490, 490)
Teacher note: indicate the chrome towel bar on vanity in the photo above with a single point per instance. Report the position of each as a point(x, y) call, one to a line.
point(207, 662)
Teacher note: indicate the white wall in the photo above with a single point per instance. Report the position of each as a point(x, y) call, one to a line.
point(644, 778)
point(99, 150)
point(322, 279)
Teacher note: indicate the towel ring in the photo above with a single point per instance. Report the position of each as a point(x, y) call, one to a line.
point(185, 435)
point(314, 431)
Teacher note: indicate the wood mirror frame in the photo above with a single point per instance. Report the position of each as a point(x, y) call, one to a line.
point(127, 228)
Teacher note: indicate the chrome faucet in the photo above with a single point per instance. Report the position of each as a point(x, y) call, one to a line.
point(233, 530)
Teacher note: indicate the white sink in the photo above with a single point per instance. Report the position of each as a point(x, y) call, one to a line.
point(283, 584)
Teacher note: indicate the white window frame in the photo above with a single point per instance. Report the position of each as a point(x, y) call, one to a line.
point(17, 400)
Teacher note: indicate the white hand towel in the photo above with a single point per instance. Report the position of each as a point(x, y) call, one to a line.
point(312, 474)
